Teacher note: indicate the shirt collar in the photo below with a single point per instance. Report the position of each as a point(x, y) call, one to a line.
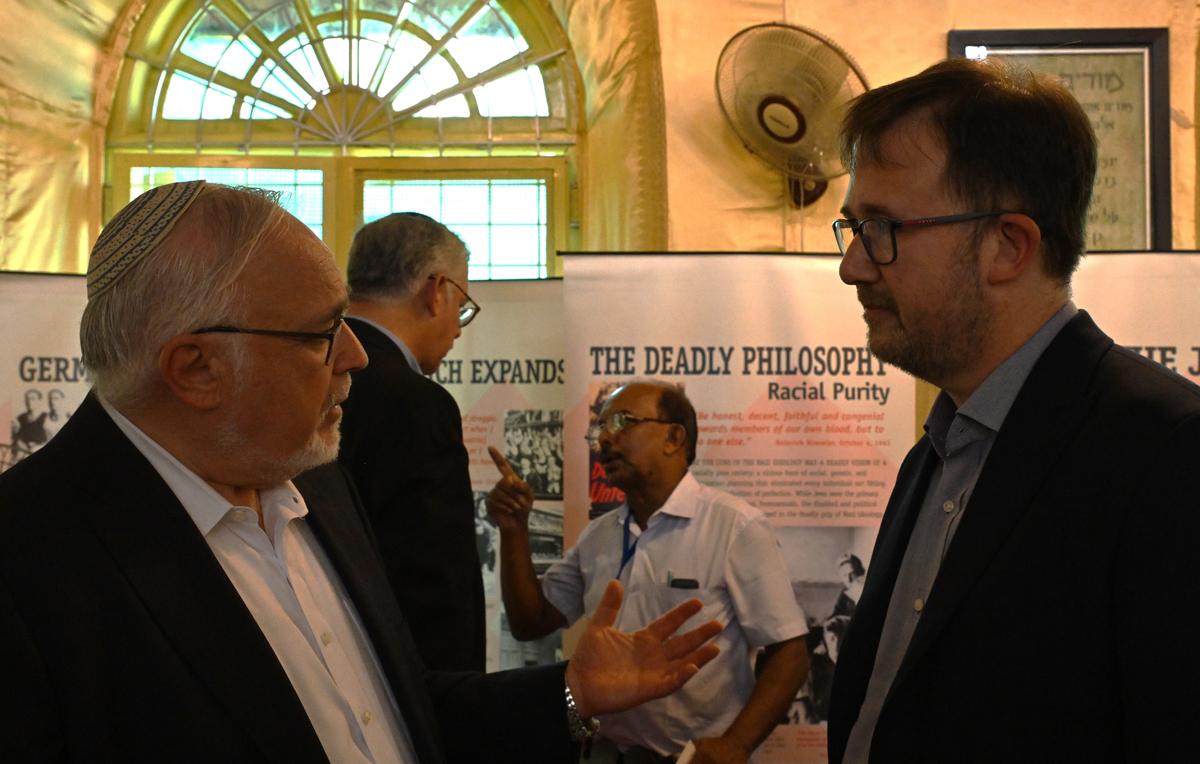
point(681, 503)
point(200, 500)
point(989, 405)
point(408, 353)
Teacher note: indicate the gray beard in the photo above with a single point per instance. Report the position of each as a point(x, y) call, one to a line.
point(272, 469)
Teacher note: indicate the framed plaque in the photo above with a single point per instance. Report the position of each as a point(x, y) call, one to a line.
point(1121, 78)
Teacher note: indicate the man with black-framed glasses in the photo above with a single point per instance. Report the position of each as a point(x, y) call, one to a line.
point(672, 538)
point(1046, 510)
point(187, 575)
point(402, 431)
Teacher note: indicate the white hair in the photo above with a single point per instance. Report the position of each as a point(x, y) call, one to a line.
point(187, 282)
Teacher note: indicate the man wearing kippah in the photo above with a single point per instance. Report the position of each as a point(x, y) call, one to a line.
point(185, 577)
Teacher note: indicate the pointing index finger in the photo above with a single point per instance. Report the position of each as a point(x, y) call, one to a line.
point(502, 464)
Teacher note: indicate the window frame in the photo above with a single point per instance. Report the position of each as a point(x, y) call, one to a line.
point(342, 212)
point(552, 170)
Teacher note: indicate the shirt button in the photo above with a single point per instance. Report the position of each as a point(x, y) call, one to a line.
point(366, 717)
point(918, 604)
point(948, 506)
point(326, 638)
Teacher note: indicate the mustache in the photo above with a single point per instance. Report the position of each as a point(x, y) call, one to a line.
point(876, 298)
point(338, 396)
point(608, 455)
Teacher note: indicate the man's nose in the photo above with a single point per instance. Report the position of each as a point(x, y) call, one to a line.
point(349, 354)
point(604, 439)
point(856, 266)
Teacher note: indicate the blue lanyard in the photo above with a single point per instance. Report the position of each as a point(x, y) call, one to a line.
point(627, 549)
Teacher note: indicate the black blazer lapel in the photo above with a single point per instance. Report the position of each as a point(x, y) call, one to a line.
point(157, 546)
point(861, 642)
point(336, 517)
point(1050, 408)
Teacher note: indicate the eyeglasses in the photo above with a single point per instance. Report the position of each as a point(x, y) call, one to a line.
point(469, 309)
point(615, 423)
point(878, 235)
point(329, 336)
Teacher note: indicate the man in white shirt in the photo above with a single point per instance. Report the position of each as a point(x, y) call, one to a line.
point(172, 588)
point(672, 539)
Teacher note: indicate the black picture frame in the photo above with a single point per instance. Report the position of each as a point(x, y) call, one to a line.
point(1155, 42)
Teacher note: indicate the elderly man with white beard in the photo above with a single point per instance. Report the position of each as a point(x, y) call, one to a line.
point(173, 588)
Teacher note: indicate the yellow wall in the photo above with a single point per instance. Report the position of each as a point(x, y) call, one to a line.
point(720, 197)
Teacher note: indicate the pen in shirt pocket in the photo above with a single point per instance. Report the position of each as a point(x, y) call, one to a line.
point(681, 583)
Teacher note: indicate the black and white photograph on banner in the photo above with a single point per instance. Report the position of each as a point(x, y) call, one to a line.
point(545, 538)
point(43, 415)
point(827, 566)
point(487, 541)
point(533, 446)
point(535, 652)
point(44, 378)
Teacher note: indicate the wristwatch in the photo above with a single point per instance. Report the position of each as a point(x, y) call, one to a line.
point(582, 729)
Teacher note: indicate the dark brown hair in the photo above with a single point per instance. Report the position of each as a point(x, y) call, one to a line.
point(1013, 140)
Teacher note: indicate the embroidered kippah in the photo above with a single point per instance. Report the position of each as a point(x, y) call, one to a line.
point(136, 230)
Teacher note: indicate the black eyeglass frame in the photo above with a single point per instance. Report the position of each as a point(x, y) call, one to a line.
point(855, 225)
point(469, 309)
point(328, 336)
point(620, 421)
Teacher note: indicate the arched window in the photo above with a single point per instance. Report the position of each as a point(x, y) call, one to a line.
point(466, 110)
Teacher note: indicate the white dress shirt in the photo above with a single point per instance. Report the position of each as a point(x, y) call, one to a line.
point(294, 594)
point(701, 543)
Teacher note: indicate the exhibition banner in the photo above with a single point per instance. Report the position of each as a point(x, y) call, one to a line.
point(1148, 302)
point(42, 379)
point(796, 416)
point(507, 374)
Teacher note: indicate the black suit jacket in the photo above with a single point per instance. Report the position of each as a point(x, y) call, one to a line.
point(1052, 629)
point(402, 442)
point(121, 638)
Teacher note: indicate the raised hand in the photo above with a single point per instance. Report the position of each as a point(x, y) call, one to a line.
point(510, 500)
point(613, 670)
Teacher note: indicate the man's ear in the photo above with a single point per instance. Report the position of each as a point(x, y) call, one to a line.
point(432, 296)
point(676, 438)
point(1018, 241)
point(193, 372)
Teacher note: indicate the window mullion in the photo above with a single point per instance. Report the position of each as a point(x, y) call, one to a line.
point(434, 50)
point(310, 29)
point(515, 64)
point(389, 48)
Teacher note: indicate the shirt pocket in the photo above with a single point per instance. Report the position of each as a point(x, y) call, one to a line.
point(716, 603)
